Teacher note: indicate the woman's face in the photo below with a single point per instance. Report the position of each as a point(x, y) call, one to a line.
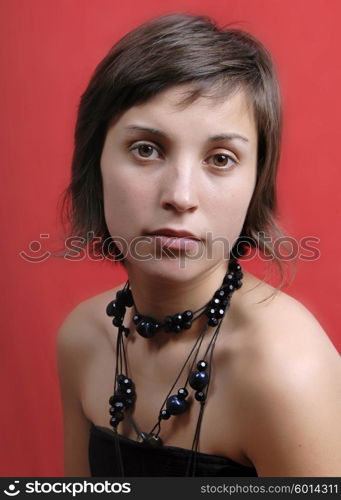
point(187, 169)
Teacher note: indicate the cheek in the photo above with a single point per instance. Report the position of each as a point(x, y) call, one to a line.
point(124, 201)
point(229, 212)
point(239, 202)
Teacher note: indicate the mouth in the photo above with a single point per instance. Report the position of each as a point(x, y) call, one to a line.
point(174, 233)
point(175, 239)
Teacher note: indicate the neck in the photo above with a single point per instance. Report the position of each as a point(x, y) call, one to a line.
point(158, 297)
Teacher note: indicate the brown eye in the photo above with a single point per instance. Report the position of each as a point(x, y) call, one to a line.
point(223, 161)
point(144, 150)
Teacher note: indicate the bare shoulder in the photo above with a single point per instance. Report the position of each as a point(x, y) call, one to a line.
point(83, 334)
point(279, 322)
point(84, 325)
point(78, 339)
point(288, 378)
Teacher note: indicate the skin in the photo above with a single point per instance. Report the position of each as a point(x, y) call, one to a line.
point(275, 396)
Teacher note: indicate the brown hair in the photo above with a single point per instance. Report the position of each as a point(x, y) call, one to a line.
point(166, 51)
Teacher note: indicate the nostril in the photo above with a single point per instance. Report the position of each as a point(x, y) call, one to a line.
point(179, 207)
point(179, 201)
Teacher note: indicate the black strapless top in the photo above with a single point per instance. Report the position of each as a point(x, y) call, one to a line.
point(140, 460)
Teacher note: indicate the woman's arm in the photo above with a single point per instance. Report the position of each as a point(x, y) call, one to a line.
point(291, 395)
point(71, 356)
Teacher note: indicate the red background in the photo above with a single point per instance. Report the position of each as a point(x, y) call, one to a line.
point(48, 50)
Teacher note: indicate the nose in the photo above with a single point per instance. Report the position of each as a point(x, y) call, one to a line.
point(179, 188)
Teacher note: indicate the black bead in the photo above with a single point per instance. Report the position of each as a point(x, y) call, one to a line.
point(120, 378)
point(119, 405)
point(136, 319)
point(144, 328)
point(115, 398)
point(182, 393)
point(210, 312)
point(216, 302)
point(213, 322)
point(129, 392)
point(176, 406)
point(220, 313)
point(202, 365)
point(168, 324)
point(119, 416)
point(117, 321)
point(120, 393)
point(177, 328)
point(128, 298)
point(116, 410)
point(128, 402)
point(187, 325)
point(200, 396)
point(119, 308)
point(126, 382)
point(177, 319)
point(164, 414)
point(111, 309)
point(187, 315)
point(114, 421)
point(220, 294)
point(198, 380)
point(238, 284)
point(155, 327)
point(168, 320)
point(119, 296)
point(234, 266)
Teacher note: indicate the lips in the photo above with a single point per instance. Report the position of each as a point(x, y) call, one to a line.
point(173, 233)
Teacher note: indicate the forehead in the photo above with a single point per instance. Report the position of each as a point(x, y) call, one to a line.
point(208, 113)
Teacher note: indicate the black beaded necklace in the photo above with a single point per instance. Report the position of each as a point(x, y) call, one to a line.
point(123, 399)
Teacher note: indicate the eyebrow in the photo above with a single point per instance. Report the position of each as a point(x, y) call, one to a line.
point(214, 138)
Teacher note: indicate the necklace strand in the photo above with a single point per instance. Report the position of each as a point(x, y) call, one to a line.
point(123, 399)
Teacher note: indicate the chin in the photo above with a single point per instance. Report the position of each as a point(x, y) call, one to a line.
point(170, 269)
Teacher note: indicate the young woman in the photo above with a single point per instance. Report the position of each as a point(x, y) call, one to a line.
point(191, 367)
